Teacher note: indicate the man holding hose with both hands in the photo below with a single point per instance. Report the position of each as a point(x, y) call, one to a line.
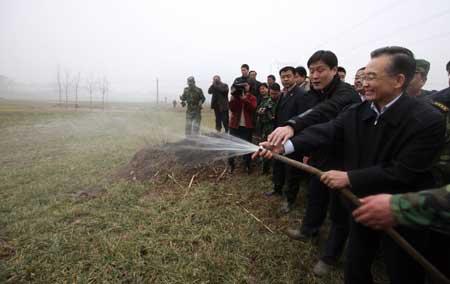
point(389, 143)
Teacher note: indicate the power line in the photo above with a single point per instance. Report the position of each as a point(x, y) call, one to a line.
point(395, 32)
point(360, 23)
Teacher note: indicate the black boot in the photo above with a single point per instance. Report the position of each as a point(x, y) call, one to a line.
point(231, 165)
point(302, 235)
point(287, 207)
point(276, 191)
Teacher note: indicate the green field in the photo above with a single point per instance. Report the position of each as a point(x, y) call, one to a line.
point(130, 232)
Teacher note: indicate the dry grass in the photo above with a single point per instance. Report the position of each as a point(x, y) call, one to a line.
point(130, 232)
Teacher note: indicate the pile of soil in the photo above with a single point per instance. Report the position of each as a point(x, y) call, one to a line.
point(164, 162)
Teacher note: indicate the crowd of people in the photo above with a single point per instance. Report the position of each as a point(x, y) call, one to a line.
point(385, 138)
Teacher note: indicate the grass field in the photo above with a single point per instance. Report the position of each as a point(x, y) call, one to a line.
point(130, 232)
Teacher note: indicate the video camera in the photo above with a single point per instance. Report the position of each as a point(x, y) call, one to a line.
point(237, 89)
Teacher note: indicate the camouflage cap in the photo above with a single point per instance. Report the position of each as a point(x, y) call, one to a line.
point(191, 79)
point(422, 66)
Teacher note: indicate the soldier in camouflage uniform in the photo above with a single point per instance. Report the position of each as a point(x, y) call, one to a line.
point(265, 113)
point(192, 97)
point(419, 80)
point(428, 208)
point(424, 209)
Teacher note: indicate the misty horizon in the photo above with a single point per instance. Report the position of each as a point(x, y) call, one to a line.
point(133, 43)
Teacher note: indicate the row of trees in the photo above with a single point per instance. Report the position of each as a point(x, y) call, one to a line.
point(66, 82)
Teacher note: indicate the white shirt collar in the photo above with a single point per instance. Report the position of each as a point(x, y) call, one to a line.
point(362, 97)
point(383, 109)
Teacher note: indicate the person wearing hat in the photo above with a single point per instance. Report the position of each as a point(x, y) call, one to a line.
point(419, 79)
point(192, 97)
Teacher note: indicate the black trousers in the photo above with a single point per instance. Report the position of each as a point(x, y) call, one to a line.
point(221, 120)
point(285, 174)
point(245, 134)
point(438, 252)
point(317, 206)
point(363, 246)
point(340, 226)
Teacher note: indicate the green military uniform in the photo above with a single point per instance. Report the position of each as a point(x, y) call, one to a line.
point(192, 97)
point(429, 208)
point(424, 93)
point(423, 67)
point(265, 115)
point(441, 170)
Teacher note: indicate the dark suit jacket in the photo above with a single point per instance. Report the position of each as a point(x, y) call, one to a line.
point(295, 102)
point(332, 100)
point(394, 155)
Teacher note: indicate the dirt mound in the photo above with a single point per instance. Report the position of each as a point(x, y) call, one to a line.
point(169, 162)
point(181, 162)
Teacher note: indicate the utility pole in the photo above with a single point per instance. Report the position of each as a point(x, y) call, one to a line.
point(157, 91)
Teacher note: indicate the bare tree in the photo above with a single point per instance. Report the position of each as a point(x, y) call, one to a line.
point(58, 77)
point(104, 89)
point(91, 87)
point(67, 85)
point(77, 84)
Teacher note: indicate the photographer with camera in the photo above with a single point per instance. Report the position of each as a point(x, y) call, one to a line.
point(219, 102)
point(242, 107)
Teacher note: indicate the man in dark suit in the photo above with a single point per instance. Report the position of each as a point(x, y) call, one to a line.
point(293, 101)
point(389, 142)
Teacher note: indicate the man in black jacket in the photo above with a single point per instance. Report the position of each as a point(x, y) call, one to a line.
point(334, 95)
point(389, 142)
point(238, 83)
point(293, 101)
point(219, 102)
point(254, 85)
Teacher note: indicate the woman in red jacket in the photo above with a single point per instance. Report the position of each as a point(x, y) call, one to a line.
point(242, 107)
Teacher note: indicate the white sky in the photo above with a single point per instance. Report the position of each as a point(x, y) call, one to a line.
point(133, 42)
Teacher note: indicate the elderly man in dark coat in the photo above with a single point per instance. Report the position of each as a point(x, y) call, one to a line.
point(219, 102)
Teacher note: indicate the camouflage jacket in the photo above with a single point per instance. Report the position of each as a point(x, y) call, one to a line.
point(265, 113)
point(429, 208)
point(441, 170)
point(194, 98)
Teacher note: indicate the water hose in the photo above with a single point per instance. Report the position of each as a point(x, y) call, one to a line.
point(391, 232)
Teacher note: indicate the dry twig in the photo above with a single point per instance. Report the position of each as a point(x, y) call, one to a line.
point(221, 175)
point(254, 217)
point(172, 177)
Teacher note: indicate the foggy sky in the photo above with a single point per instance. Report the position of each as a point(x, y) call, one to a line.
point(134, 42)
